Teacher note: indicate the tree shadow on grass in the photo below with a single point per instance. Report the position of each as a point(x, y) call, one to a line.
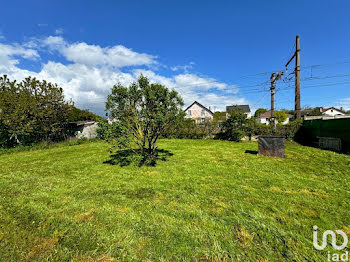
point(252, 152)
point(127, 157)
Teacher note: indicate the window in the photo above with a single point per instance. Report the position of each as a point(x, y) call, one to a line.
point(189, 112)
point(202, 120)
point(203, 112)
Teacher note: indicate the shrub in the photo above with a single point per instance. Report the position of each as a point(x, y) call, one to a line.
point(235, 127)
point(280, 116)
point(187, 128)
point(31, 111)
point(143, 111)
point(289, 130)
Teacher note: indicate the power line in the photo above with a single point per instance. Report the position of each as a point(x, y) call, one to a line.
point(216, 83)
point(329, 64)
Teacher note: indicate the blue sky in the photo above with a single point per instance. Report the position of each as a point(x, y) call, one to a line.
point(216, 52)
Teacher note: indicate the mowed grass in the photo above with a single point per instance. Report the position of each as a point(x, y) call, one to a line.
point(209, 201)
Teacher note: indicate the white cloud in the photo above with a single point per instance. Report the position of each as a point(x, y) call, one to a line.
point(184, 68)
point(59, 31)
point(1, 36)
point(95, 69)
point(9, 53)
point(93, 55)
point(195, 88)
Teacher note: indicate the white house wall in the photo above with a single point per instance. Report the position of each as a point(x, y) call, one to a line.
point(197, 113)
point(333, 112)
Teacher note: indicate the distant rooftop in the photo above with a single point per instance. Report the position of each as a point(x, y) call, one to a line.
point(268, 115)
point(199, 104)
point(244, 108)
point(340, 110)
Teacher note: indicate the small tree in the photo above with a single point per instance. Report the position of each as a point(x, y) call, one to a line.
point(260, 111)
point(234, 128)
point(144, 111)
point(280, 116)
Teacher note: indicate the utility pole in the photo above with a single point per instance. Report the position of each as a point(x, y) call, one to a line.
point(272, 89)
point(274, 77)
point(297, 79)
point(297, 107)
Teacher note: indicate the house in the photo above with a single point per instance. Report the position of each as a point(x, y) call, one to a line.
point(199, 113)
point(244, 108)
point(332, 111)
point(264, 118)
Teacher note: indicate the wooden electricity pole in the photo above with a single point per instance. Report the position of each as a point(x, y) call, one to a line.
point(297, 80)
point(297, 107)
point(272, 89)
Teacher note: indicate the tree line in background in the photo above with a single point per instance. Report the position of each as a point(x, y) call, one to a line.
point(235, 128)
point(32, 111)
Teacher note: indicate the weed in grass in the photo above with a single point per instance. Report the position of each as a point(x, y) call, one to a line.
point(43, 248)
point(80, 218)
point(243, 236)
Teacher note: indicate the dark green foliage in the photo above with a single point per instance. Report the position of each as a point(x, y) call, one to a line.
point(187, 128)
point(76, 114)
point(235, 127)
point(114, 133)
point(219, 116)
point(289, 131)
point(31, 111)
point(260, 111)
point(143, 112)
point(280, 116)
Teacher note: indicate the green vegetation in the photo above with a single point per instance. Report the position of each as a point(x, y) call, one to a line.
point(209, 200)
point(76, 114)
point(219, 116)
point(280, 116)
point(188, 128)
point(260, 111)
point(45, 145)
point(234, 128)
point(143, 112)
point(31, 111)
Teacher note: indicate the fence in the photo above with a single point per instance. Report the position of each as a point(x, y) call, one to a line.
point(320, 129)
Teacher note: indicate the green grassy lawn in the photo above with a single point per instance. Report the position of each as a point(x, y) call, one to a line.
point(209, 201)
